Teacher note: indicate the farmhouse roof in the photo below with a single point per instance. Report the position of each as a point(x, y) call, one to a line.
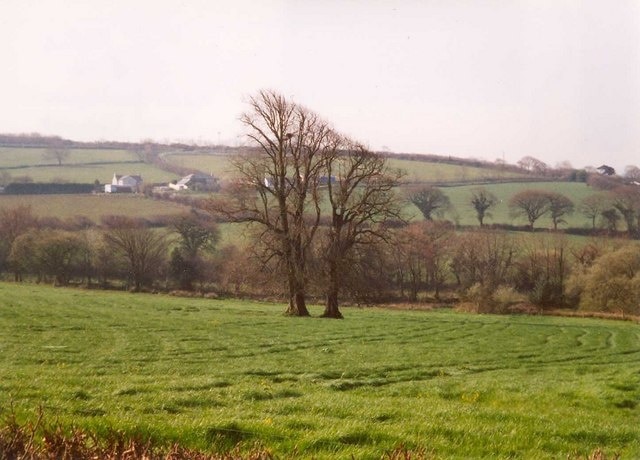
point(136, 177)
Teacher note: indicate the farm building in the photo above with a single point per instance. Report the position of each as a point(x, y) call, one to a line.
point(195, 182)
point(124, 184)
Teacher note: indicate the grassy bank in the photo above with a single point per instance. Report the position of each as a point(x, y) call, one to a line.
point(212, 373)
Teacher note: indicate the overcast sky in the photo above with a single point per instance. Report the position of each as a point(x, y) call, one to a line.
point(558, 80)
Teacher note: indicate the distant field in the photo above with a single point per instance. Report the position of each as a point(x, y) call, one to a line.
point(89, 174)
point(11, 157)
point(236, 234)
point(75, 170)
point(416, 171)
point(465, 215)
point(28, 162)
point(211, 373)
point(214, 163)
point(421, 171)
point(93, 206)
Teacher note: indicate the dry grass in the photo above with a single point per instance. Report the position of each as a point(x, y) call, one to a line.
point(43, 441)
point(594, 314)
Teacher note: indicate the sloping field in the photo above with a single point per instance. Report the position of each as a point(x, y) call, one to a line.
point(81, 165)
point(423, 171)
point(464, 214)
point(11, 157)
point(416, 171)
point(93, 206)
point(212, 373)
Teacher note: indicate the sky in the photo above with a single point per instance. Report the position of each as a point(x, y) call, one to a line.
point(557, 80)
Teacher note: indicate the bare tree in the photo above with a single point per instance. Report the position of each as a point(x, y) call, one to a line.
point(484, 259)
point(424, 253)
point(196, 235)
point(632, 173)
point(559, 206)
point(626, 200)
point(531, 204)
point(276, 188)
point(482, 200)
point(592, 206)
point(542, 269)
point(610, 218)
point(360, 189)
point(143, 249)
point(57, 152)
point(533, 165)
point(431, 201)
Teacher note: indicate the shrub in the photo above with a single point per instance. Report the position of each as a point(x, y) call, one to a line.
point(612, 283)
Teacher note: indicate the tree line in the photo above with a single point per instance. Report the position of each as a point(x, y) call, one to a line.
point(483, 269)
point(325, 218)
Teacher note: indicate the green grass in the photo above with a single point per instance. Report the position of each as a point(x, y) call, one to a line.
point(416, 171)
point(210, 163)
point(89, 174)
point(15, 156)
point(464, 214)
point(422, 171)
point(75, 169)
point(30, 162)
point(211, 373)
point(93, 206)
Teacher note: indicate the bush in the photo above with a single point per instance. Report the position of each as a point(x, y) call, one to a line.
point(612, 283)
point(487, 300)
point(505, 298)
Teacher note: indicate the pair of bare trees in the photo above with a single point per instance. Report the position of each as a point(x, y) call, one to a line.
point(300, 169)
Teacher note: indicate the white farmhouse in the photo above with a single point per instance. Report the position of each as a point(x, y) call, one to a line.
point(124, 184)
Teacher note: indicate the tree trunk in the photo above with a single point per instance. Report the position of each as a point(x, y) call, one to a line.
point(297, 305)
point(331, 309)
point(297, 302)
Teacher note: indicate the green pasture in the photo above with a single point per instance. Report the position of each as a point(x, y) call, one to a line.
point(422, 171)
point(216, 164)
point(416, 171)
point(234, 234)
point(30, 161)
point(16, 156)
point(212, 373)
point(464, 214)
point(419, 171)
point(81, 166)
point(93, 206)
point(88, 174)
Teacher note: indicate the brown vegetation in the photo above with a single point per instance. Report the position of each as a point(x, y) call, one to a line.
point(44, 441)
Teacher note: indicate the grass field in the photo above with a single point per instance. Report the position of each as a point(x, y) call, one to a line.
point(15, 157)
point(416, 171)
point(464, 214)
point(215, 163)
point(93, 206)
point(29, 162)
point(76, 168)
point(212, 373)
point(89, 174)
point(422, 171)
